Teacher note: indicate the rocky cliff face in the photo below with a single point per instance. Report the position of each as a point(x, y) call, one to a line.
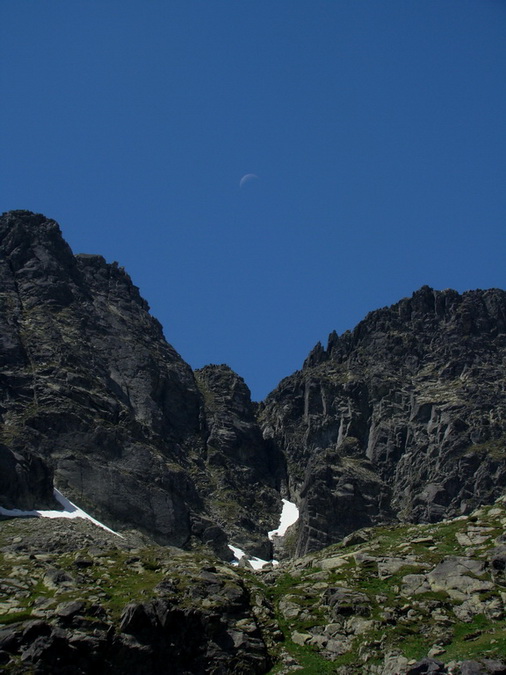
point(403, 417)
point(242, 473)
point(92, 395)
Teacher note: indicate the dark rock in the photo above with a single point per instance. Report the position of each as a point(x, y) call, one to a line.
point(427, 666)
point(105, 415)
point(82, 562)
point(494, 667)
point(36, 629)
point(9, 639)
point(497, 560)
point(483, 667)
point(238, 457)
point(51, 654)
point(472, 668)
point(401, 418)
point(26, 482)
point(54, 578)
point(347, 602)
point(195, 641)
point(92, 394)
point(67, 610)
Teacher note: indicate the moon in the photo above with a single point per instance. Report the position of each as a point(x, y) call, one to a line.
point(246, 178)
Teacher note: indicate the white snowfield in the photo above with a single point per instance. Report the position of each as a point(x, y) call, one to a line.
point(70, 510)
point(289, 516)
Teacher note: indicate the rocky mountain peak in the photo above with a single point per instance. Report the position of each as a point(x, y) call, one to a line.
point(96, 402)
point(401, 417)
point(407, 410)
point(428, 311)
point(393, 427)
point(40, 263)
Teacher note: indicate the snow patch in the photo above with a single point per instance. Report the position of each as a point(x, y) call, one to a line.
point(256, 563)
point(70, 510)
point(289, 516)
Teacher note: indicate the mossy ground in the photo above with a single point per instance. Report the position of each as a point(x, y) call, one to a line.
point(115, 575)
point(400, 623)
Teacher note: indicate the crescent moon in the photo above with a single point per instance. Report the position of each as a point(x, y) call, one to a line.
point(246, 178)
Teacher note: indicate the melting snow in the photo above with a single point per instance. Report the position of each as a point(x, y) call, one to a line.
point(256, 563)
point(70, 510)
point(289, 516)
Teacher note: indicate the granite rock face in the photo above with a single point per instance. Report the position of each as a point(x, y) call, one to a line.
point(401, 419)
point(404, 417)
point(89, 384)
point(92, 394)
point(242, 473)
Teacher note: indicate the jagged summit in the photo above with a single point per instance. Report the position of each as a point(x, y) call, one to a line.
point(470, 313)
point(403, 417)
point(94, 399)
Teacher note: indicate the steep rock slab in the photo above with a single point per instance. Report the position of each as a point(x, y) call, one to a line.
point(405, 415)
point(89, 384)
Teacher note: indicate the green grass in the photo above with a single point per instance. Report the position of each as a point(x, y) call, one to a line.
point(495, 448)
point(480, 637)
point(6, 619)
point(124, 582)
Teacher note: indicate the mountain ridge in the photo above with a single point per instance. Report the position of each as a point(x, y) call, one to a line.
point(94, 396)
point(391, 440)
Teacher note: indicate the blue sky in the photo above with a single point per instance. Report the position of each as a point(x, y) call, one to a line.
point(376, 129)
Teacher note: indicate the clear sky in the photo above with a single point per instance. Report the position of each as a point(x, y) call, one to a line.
point(376, 128)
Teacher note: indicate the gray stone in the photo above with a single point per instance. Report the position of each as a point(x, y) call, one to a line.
point(472, 668)
point(67, 610)
point(301, 638)
point(363, 445)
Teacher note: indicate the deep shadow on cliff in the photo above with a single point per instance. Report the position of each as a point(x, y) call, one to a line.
point(94, 399)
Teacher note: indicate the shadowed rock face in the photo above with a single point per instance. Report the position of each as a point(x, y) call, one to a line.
point(91, 392)
point(90, 385)
point(402, 417)
point(243, 474)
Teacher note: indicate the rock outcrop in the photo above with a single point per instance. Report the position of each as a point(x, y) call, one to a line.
point(402, 418)
point(77, 600)
point(242, 473)
point(400, 600)
point(92, 395)
point(404, 599)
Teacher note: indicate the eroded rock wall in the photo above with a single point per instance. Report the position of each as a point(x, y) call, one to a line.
point(93, 395)
point(402, 418)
